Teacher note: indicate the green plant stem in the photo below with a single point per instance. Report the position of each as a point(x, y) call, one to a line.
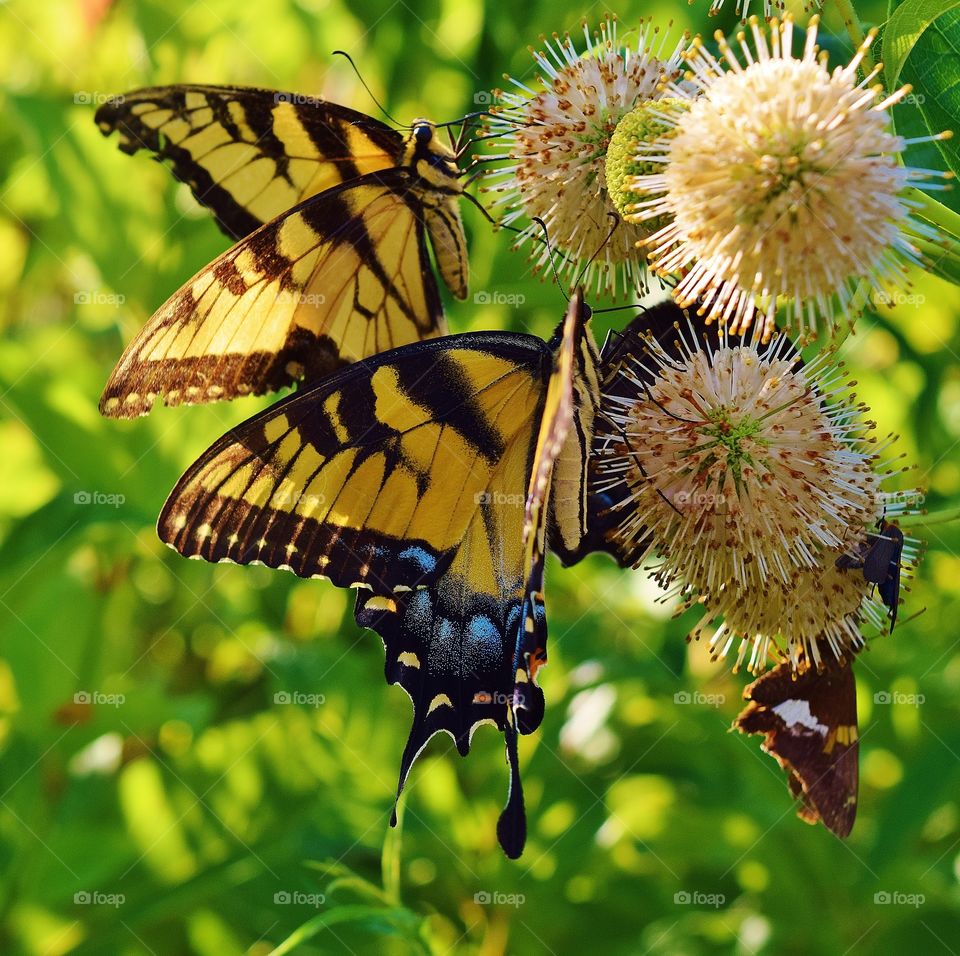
point(936, 251)
point(852, 22)
point(859, 301)
point(934, 212)
point(344, 914)
point(390, 858)
point(932, 517)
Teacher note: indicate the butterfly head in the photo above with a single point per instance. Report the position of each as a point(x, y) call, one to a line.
point(430, 159)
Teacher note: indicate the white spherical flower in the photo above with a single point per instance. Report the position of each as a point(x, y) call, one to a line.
point(556, 131)
point(782, 184)
point(746, 475)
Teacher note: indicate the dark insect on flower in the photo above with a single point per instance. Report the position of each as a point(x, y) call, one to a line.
point(879, 557)
point(810, 723)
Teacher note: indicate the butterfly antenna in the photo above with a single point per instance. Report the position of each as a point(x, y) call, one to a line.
point(592, 259)
point(912, 617)
point(553, 264)
point(600, 248)
point(363, 83)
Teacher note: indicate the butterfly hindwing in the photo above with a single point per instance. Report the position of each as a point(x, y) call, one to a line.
point(250, 154)
point(423, 476)
point(342, 276)
point(467, 647)
point(810, 726)
point(555, 511)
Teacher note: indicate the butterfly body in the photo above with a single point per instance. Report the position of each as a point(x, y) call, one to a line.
point(331, 210)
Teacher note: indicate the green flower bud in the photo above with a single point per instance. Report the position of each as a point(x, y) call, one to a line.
point(643, 125)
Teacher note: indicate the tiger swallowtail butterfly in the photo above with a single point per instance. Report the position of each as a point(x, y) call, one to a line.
point(431, 478)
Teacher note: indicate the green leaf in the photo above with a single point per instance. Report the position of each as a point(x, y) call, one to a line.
point(933, 70)
point(904, 29)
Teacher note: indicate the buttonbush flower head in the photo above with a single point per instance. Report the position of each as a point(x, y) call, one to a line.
point(746, 473)
point(556, 131)
point(781, 184)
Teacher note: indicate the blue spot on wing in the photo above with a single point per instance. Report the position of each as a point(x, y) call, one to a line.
point(425, 561)
point(485, 644)
point(483, 630)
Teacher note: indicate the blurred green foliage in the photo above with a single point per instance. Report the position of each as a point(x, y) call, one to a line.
point(200, 759)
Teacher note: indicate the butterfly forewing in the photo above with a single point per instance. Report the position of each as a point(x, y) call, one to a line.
point(250, 154)
point(372, 476)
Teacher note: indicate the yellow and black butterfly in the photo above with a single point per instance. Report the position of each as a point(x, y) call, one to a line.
point(430, 477)
point(331, 209)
